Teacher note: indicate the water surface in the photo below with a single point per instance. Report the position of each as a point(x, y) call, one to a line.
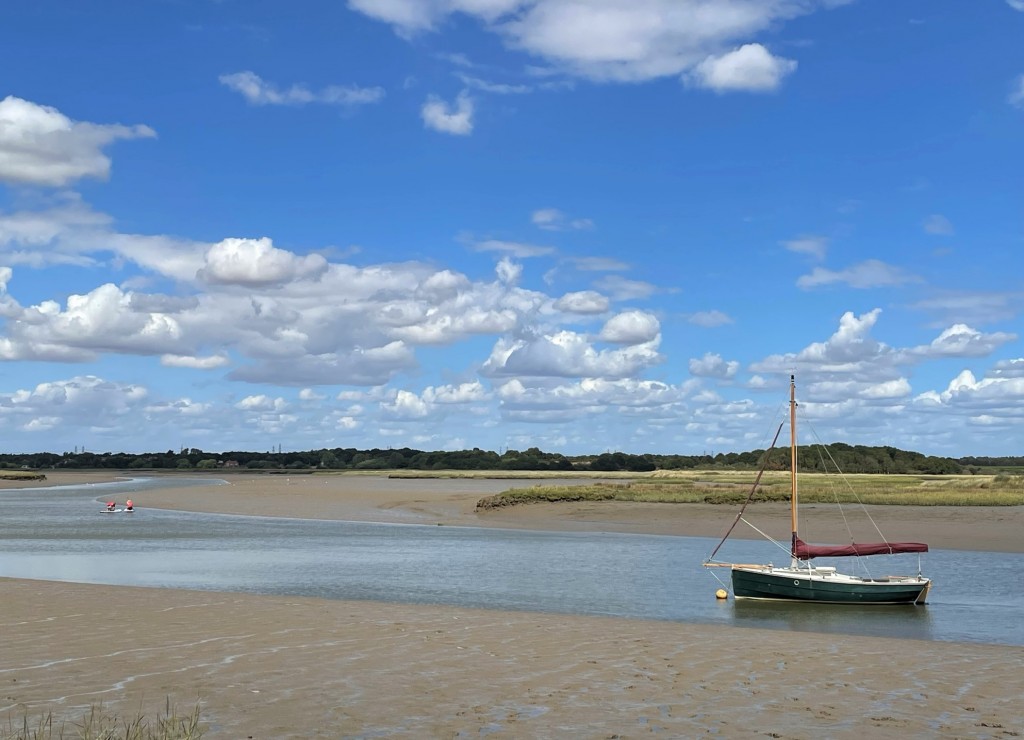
point(62, 534)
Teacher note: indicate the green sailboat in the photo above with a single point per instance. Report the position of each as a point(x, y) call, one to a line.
point(801, 580)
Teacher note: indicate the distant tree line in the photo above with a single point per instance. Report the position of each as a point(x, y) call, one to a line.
point(848, 458)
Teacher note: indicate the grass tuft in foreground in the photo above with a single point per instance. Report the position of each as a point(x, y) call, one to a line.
point(100, 725)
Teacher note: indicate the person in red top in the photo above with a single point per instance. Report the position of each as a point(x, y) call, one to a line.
point(128, 505)
point(111, 505)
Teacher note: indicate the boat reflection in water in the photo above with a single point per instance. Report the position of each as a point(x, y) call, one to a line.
point(800, 616)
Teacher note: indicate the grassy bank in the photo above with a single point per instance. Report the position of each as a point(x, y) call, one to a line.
point(733, 488)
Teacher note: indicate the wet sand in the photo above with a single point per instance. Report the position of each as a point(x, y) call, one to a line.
point(273, 667)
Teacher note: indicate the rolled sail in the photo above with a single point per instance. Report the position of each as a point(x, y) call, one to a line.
point(803, 551)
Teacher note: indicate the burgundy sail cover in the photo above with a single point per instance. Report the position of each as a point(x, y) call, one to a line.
point(805, 552)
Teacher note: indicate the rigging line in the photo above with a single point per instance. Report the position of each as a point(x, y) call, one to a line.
point(853, 492)
point(835, 494)
point(784, 548)
point(750, 496)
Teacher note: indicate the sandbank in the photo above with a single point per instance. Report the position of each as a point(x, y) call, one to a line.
point(282, 667)
point(452, 502)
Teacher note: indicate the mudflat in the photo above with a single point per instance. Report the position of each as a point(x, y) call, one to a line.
point(274, 667)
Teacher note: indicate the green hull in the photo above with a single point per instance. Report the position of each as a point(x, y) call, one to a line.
point(784, 586)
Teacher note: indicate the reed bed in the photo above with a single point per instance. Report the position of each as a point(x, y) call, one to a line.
point(733, 488)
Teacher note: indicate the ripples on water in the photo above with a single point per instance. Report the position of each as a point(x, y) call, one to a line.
point(62, 534)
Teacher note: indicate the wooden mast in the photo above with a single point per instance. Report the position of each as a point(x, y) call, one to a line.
point(792, 461)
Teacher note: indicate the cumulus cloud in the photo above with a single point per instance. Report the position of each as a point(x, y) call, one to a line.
point(623, 40)
point(586, 302)
point(990, 398)
point(257, 262)
point(867, 274)
point(631, 327)
point(101, 320)
point(258, 91)
point(210, 362)
point(713, 366)
point(961, 340)
point(454, 119)
point(750, 68)
point(82, 401)
point(568, 354)
point(850, 350)
point(39, 145)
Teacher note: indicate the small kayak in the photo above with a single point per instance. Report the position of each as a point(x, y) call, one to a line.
point(118, 511)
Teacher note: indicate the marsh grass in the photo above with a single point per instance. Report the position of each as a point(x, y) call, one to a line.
point(513, 474)
point(97, 724)
point(734, 487)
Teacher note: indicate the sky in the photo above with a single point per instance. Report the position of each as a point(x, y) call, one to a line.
point(582, 226)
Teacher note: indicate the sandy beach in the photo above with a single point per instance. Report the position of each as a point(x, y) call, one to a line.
point(272, 667)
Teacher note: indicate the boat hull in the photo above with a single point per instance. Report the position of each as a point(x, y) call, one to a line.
point(785, 584)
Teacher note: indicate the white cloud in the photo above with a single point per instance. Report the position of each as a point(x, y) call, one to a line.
point(1016, 4)
point(497, 88)
point(815, 246)
point(84, 401)
point(413, 16)
point(262, 403)
point(260, 92)
point(597, 264)
point(973, 308)
point(849, 351)
point(623, 40)
point(508, 271)
point(513, 249)
point(257, 262)
point(1009, 368)
point(624, 289)
point(937, 224)
point(991, 397)
point(470, 392)
point(407, 406)
point(102, 320)
point(887, 390)
point(552, 219)
point(568, 354)
point(961, 340)
point(867, 274)
point(713, 366)
point(210, 362)
point(585, 302)
point(1016, 96)
point(440, 116)
point(709, 319)
point(750, 68)
point(39, 145)
point(631, 327)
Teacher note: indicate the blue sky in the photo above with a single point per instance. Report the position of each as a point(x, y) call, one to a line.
point(446, 224)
